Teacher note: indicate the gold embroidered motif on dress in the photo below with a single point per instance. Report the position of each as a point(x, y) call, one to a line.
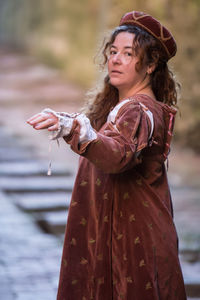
point(73, 203)
point(91, 241)
point(65, 262)
point(98, 182)
point(83, 183)
point(124, 257)
point(119, 236)
point(148, 286)
point(145, 203)
point(115, 151)
point(137, 240)
point(132, 218)
point(83, 261)
point(105, 219)
point(73, 242)
point(150, 226)
point(126, 196)
point(142, 263)
point(83, 221)
point(139, 181)
point(98, 142)
point(114, 258)
point(114, 282)
point(101, 280)
point(121, 296)
point(129, 280)
point(100, 257)
point(105, 196)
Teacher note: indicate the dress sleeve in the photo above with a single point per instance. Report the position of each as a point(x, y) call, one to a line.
point(65, 122)
point(118, 145)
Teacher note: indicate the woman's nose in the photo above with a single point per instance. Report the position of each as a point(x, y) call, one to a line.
point(117, 58)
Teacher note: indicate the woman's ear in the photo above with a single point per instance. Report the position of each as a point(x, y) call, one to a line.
point(151, 68)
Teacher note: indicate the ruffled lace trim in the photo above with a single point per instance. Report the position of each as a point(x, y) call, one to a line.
point(65, 121)
point(87, 133)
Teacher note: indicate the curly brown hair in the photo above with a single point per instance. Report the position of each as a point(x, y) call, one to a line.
point(162, 81)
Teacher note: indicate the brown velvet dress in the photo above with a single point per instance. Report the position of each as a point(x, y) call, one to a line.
point(121, 242)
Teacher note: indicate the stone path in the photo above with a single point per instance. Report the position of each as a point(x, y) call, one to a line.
point(29, 258)
point(33, 206)
point(29, 253)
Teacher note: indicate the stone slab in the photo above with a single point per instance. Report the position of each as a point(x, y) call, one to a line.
point(36, 202)
point(191, 274)
point(14, 154)
point(36, 184)
point(31, 168)
point(193, 289)
point(52, 222)
point(190, 254)
point(29, 258)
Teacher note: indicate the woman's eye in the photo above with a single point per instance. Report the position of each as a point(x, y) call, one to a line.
point(112, 52)
point(128, 53)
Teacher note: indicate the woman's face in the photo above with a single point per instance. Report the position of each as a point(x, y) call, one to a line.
point(122, 62)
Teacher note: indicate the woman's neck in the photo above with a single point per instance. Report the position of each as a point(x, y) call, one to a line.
point(143, 87)
point(140, 89)
point(144, 92)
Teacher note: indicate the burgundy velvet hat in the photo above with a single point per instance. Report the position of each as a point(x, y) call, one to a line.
point(152, 26)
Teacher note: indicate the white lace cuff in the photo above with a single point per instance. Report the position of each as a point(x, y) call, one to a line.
point(87, 133)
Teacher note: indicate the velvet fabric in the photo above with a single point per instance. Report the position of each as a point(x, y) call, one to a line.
point(154, 27)
point(121, 241)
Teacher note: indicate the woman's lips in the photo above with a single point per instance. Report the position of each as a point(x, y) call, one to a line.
point(116, 72)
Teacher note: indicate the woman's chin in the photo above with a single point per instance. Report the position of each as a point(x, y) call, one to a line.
point(115, 82)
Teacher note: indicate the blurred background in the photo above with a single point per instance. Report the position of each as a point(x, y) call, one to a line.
point(47, 59)
point(67, 35)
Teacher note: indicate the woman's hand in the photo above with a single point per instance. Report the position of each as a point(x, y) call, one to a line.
point(44, 120)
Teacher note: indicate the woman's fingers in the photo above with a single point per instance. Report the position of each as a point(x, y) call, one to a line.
point(34, 118)
point(43, 124)
point(39, 118)
point(43, 121)
point(54, 127)
point(31, 118)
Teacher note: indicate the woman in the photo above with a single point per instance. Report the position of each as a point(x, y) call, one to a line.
point(121, 242)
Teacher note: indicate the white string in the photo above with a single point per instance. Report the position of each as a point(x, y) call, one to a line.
point(50, 159)
point(49, 172)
